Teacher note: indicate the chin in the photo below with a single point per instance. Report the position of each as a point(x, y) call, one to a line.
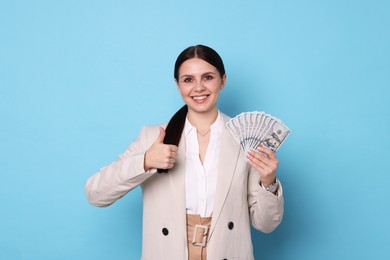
point(198, 109)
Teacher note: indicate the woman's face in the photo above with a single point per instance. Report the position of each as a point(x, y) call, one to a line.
point(199, 83)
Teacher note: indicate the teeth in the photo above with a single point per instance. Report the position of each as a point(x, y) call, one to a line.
point(199, 97)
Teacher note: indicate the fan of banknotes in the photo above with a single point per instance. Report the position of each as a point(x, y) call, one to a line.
point(251, 129)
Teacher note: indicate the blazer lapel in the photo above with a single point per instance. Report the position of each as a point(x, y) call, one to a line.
point(229, 151)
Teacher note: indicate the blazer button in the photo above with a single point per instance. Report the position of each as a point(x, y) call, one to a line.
point(231, 225)
point(165, 231)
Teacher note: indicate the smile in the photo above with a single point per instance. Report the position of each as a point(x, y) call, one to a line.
point(200, 97)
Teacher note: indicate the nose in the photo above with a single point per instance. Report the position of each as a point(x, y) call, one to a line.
point(199, 86)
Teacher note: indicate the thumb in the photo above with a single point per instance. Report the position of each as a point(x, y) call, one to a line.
point(161, 136)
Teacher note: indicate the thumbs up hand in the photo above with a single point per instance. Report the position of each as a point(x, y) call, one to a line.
point(160, 155)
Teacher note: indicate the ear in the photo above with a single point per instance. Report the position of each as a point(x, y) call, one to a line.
point(223, 82)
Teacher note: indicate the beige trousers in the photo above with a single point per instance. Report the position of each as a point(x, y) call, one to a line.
point(197, 244)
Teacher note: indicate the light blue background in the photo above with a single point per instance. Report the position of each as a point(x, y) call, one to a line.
point(78, 79)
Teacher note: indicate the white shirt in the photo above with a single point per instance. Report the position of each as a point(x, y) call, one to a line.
point(201, 180)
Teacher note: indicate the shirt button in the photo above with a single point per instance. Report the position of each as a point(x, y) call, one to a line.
point(165, 231)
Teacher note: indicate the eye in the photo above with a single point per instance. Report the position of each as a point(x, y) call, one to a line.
point(187, 80)
point(208, 77)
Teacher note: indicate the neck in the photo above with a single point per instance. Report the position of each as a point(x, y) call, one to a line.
point(202, 121)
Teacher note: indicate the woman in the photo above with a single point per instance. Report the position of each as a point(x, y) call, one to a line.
point(200, 192)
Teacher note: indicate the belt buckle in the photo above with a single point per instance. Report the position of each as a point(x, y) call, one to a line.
point(203, 243)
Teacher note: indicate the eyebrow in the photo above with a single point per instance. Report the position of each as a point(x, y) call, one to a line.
point(189, 75)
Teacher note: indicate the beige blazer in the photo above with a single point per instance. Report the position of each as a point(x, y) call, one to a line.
point(239, 202)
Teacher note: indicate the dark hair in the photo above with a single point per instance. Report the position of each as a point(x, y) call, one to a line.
point(202, 52)
point(175, 126)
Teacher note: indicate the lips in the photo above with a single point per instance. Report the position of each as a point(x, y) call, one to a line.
point(200, 99)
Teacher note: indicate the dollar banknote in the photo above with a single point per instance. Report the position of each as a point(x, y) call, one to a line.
point(251, 129)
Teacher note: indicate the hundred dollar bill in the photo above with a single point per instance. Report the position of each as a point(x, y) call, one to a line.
point(251, 129)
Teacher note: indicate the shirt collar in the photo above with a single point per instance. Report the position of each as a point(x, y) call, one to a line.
point(217, 125)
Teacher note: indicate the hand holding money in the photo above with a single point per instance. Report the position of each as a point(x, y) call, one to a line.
point(265, 162)
point(259, 135)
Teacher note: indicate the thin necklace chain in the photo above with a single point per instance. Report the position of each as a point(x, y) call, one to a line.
point(203, 135)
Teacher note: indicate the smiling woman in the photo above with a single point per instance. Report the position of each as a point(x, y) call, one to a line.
point(203, 206)
point(199, 84)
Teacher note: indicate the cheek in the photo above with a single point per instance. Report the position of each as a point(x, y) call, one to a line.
point(220, 85)
point(184, 91)
point(217, 88)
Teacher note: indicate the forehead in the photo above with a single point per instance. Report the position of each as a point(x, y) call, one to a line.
point(196, 66)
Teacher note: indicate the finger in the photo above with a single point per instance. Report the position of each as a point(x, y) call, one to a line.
point(254, 161)
point(161, 136)
point(264, 170)
point(173, 148)
point(263, 161)
point(259, 156)
point(169, 151)
point(172, 161)
point(259, 167)
point(267, 151)
point(173, 155)
point(168, 164)
point(272, 159)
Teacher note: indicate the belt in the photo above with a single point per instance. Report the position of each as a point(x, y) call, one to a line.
point(198, 229)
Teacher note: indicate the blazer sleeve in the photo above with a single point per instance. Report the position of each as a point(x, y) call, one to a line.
point(121, 176)
point(266, 209)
